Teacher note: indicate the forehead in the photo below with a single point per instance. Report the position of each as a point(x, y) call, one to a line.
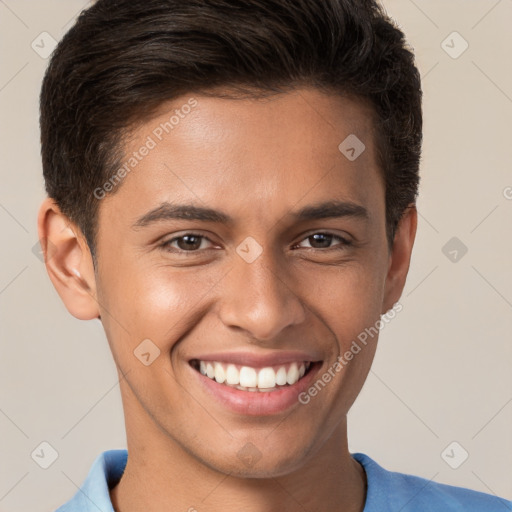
point(259, 154)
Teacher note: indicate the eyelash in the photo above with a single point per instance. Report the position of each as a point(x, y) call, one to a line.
point(339, 247)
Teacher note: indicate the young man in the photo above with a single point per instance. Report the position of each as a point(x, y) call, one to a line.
point(232, 191)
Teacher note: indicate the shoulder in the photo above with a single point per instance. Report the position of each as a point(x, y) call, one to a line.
point(391, 490)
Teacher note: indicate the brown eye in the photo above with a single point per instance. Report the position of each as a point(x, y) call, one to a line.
point(324, 240)
point(189, 242)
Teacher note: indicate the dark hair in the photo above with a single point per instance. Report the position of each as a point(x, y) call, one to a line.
point(124, 58)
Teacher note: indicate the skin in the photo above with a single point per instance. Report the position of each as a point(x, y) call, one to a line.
point(257, 160)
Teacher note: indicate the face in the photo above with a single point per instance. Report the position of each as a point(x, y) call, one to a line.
point(244, 235)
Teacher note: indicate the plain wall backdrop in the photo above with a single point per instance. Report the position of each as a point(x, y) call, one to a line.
point(442, 373)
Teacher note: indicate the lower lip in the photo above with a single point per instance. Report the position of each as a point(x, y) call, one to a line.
point(258, 403)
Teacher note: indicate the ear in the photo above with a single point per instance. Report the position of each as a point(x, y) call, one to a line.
point(400, 257)
point(68, 261)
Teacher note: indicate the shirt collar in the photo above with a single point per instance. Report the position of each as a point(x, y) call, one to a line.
point(105, 473)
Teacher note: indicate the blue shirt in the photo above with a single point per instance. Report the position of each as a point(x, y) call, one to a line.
point(388, 491)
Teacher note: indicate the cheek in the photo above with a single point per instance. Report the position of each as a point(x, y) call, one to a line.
point(346, 298)
point(348, 302)
point(157, 303)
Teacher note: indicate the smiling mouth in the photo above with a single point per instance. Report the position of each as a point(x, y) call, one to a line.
point(247, 378)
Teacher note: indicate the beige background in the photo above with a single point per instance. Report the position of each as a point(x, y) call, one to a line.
point(443, 368)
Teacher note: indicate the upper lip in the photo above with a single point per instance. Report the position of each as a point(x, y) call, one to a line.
point(258, 360)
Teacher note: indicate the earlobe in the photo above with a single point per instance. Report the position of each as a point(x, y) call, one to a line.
point(400, 257)
point(68, 261)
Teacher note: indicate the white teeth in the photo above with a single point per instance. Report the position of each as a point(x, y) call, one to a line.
point(220, 375)
point(293, 374)
point(266, 378)
point(250, 379)
point(232, 375)
point(281, 376)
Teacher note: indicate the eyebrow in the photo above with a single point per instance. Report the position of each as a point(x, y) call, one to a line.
point(325, 210)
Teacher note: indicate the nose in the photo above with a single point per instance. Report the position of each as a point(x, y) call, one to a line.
point(259, 298)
